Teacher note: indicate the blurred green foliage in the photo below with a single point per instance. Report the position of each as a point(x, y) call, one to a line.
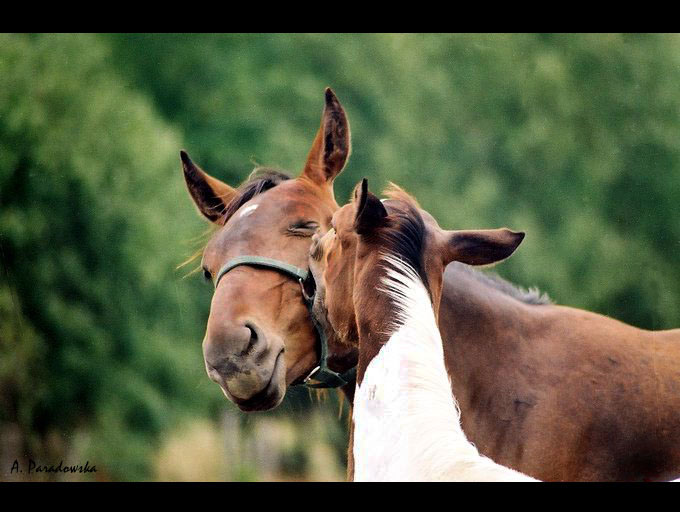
point(571, 138)
point(93, 316)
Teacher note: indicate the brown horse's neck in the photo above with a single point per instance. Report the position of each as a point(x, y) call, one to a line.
point(375, 320)
point(475, 320)
point(471, 316)
point(481, 328)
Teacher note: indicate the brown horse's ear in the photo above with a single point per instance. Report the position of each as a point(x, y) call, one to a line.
point(210, 194)
point(481, 247)
point(331, 146)
point(370, 210)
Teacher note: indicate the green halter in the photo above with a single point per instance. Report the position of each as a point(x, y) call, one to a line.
point(325, 377)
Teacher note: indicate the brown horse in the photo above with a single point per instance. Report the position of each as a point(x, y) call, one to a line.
point(554, 392)
point(259, 338)
point(405, 421)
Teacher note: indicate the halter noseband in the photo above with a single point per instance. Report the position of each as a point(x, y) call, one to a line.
point(325, 377)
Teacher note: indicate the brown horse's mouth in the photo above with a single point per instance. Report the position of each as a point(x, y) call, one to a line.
point(268, 397)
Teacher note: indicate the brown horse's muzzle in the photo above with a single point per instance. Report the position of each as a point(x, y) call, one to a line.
point(249, 368)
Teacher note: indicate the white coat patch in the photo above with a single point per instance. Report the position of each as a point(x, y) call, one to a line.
point(248, 210)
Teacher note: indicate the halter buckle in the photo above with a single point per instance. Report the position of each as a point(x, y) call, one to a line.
point(311, 374)
point(308, 298)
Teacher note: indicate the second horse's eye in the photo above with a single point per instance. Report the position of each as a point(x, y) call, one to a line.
point(207, 274)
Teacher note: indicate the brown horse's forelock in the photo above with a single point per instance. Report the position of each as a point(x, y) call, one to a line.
point(404, 234)
point(259, 181)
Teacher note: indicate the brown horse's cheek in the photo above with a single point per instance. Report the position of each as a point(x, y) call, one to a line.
point(299, 344)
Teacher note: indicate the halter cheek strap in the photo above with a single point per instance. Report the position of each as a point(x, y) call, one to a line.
point(322, 374)
point(259, 261)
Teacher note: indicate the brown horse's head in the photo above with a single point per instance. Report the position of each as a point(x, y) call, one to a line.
point(259, 336)
point(346, 261)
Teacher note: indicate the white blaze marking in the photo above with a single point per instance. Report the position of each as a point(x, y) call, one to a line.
point(247, 211)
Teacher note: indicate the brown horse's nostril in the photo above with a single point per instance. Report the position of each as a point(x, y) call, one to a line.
point(225, 348)
point(251, 342)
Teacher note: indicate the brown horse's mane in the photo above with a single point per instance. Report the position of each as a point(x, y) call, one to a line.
point(531, 296)
point(404, 235)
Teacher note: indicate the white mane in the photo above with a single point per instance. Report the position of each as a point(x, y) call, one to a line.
point(406, 419)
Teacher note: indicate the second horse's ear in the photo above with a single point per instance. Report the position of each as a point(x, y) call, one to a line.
point(210, 195)
point(331, 147)
point(370, 212)
point(482, 246)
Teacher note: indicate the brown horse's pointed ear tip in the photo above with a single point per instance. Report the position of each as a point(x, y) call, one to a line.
point(519, 235)
point(364, 188)
point(184, 156)
point(331, 98)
